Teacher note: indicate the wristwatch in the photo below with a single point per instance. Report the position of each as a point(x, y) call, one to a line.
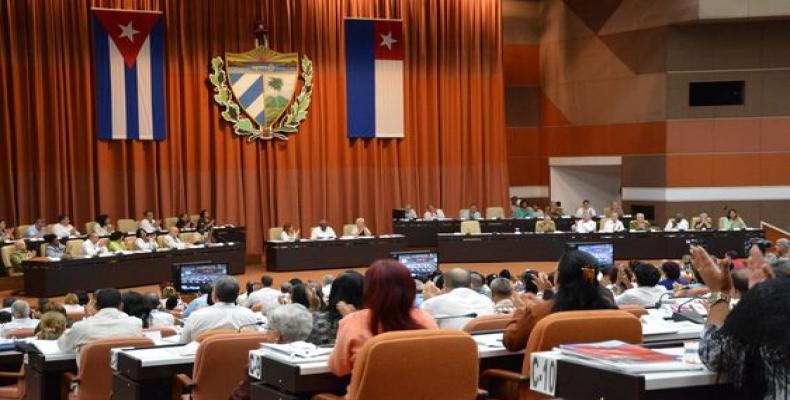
point(718, 297)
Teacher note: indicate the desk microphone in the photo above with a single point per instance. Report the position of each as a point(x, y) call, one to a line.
point(470, 315)
point(257, 323)
point(658, 303)
point(692, 315)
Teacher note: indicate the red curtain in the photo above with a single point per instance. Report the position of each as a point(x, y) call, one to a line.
point(51, 160)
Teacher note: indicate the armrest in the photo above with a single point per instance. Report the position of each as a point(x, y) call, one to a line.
point(15, 375)
point(326, 396)
point(71, 377)
point(182, 384)
point(505, 375)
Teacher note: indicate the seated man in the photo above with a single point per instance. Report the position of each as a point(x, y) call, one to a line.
point(200, 301)
point(585, 225)
point(91, 247)
point(457, 303)
point(223, 314)
point(289, 233)
point(148, 223)
point(613, 208)
point(640, 223)
point(585, 208)
point(37, 229)
point(612, 224)
point(677, 224)
point(266, 298)
point(555, 209)
point(18, 255)
point(172, 241)
point(20, 318)
point(703, 222)
point(547, 225)
point(63, 227)
point(647, 292)
point(361, 228)
point(108, 321)
point(410, 212)
point(501, 293)
point(471, 213)
point(54, 249)
point(782, 248)
point(433, 213)
point(323, 231)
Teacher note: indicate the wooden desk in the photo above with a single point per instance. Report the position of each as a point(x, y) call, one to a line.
point(421, 233)
point(146, 373)
point(43, 377)
point(504, 247)
point(44, 278)
point(337, 253)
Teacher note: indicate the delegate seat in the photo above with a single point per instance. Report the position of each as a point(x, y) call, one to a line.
point(5, 253)
point(495, 213)
point(170, 222)
point(347, 229)
point(89, 227)
point(127, 225)
point(94, 380)
point(275, 232)
point(492, 322)
point(470, 227)
point(566, 327)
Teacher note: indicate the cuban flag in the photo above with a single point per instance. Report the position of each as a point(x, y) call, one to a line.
point(129, 62)
point(374, 78)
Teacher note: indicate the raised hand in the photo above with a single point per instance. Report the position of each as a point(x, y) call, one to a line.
point(715, 275)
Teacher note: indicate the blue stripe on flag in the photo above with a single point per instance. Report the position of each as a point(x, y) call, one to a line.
point(103, 93)
point(132, 121)
point(252, 93)
point(235, 78)
point(360, 79)
point(157, 80)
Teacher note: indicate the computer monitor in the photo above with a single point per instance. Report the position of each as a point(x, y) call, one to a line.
point(420, 263)
point(602, 251)
point(398, 213)
point(189, 277)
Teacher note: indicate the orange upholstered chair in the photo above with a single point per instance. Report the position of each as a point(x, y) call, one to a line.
point(638, 311)
point(493, 322)
point(165, 331)
point(95, 376)
point(428, 364)
point(566, 328)
point(20, 333)
point(220, 364)
point(207, 334)
point(15, 391)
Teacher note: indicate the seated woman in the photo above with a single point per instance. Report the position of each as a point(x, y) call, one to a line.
point(204, 223)
point(51, 325)
point(345, 296)
point(577, 289)
point(116, 243)
point(289, 233)
point(521, 211)
point(145, 241)
point(184, 222)
point(71, 303)
point(360, 228)
point(748, 343)
point(388, 297)
point(6, 232)
point(102, 227)
point(732, 221)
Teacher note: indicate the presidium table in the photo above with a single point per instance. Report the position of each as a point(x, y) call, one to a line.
point(503, 247)
point(334, 253)
point(47, 278)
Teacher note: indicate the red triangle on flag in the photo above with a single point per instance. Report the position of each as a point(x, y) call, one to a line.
point(128, 30)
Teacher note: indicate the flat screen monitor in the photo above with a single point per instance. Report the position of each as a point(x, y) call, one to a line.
point(189, 277)
point(602, 251)
point(398, 213)
point(419, 263)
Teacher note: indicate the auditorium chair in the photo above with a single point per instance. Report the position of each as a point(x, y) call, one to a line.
point(601, 222)
point(495, 213)
point(567, 327)
point(634, 309)
point(207, 334)
point(94, 379)
point(347, 229)
point(722, 222)
point(694, 222)
point(5, 252)
point(74, 247)
point(193, 218)
point(220, 364)
point(17, 390)
point(42, 249)
point(191, 237)
point(170, 222)
point(160, 241)
point(470, 227)
point(128, 242)
point(275, 232)
point(462, 212)
point(165, 331)
point(127, 225)
point(430, 364)
point(492, 322)
point(21, 231)
point(89, 227)
point(20, 333)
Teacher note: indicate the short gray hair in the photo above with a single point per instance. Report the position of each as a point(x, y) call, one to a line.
point(226, 289)
point(501, 287)
point(780, 267)
point(457, 278)
point(20, 309)
point(293, 321)
point(328, 279)
point(784, 242)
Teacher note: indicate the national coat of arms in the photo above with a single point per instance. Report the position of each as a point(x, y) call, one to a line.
point(264, 94)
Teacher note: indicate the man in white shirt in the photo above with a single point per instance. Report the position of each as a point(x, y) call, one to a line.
point(585, 208)
point(433, 213)
point(159, 317)
point(648, 291)
point(20, 318)
point(145, 241)
point(585, 225)
point(457, 303)
point(223, 314)
point(471, 213)
point(63, 227)
point(36, 230)
point(323, 231)
point(410, 213)
point(108, 322)
point(148, 223)
point(613, 224)
point(677, 224)
point(171, 240)
point(91, 246)
point(328, 279)
point(265, 298)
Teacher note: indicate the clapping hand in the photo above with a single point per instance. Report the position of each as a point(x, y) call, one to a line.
point(759, 270)
point(542, 281)
point(716, 275)
point(429, 290)
point(524, 300)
